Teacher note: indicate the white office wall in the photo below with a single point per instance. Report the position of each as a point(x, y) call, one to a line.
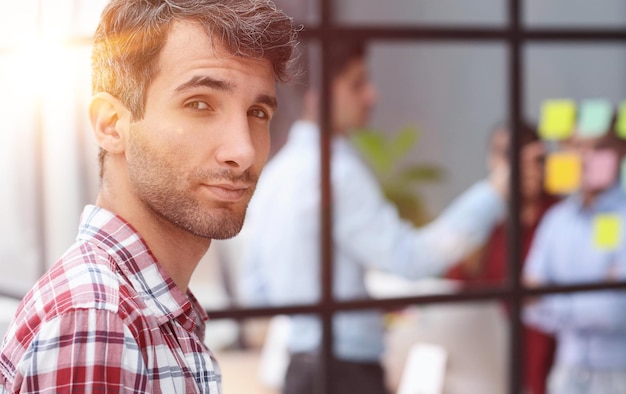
point(580, 13)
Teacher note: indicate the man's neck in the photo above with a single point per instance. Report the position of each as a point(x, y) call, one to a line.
point(530, 212)
point(588, 198)
point(178, 251)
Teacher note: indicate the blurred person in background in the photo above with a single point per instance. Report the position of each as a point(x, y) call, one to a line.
point(590, 327)
point(282, 234)
point(184, 92)
point(488, 264)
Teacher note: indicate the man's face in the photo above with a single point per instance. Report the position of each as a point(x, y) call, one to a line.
point(353, 97)
point(498, 152)
point(593, 150)
point(531, 161)
point(195, 157)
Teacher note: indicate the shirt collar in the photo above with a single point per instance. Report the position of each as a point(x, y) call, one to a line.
point(121, 241)
point(608, 200)
point(308, 133)
point(304, 131)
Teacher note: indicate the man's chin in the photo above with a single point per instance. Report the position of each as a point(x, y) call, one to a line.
point(223, 224)
point(215, 231)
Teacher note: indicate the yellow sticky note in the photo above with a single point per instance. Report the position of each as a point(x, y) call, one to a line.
point(558, 119)
point(563, 172)
point(620, 124)
point(607, 231)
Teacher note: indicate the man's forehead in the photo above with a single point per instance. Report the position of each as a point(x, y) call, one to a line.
point(190, 51)
point(187, 35)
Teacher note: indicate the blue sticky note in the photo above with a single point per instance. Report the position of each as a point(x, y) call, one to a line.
point(594, 117)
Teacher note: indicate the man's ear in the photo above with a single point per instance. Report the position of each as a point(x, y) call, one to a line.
point(110, 121)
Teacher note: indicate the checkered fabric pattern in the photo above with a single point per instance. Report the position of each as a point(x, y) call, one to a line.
point(107, 318)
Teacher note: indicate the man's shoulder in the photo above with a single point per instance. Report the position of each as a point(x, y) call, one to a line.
point(81, 282)
point(84, 277)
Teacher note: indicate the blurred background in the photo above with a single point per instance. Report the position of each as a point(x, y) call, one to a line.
point(452, 92)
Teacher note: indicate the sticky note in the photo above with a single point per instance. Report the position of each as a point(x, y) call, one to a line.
point(600, 169)
point(620, 122)
point(594, 119)
point(607, 231)
point(558, 119)
point(563, 172)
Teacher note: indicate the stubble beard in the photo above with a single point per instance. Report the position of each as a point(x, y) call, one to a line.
point(170, 196)
point(220, 222)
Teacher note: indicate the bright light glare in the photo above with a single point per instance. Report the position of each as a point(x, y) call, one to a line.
point(42, 67)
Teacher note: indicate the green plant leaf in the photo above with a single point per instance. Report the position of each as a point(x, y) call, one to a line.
point(383, 153)
point(373, 146)
point(421, 173)
point(403, 142)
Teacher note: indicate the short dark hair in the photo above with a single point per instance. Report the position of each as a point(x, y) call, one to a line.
point(342, 53)
point(132, 33)
point(528, 132)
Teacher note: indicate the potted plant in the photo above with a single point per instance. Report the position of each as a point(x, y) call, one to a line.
point(400, 183)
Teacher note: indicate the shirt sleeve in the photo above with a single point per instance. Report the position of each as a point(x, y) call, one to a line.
point(598, 311)
point(85, 350)
point(368, 228)
point(594, 311)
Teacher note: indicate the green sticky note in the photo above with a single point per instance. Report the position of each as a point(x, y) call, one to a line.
point(558, 118)
point(594, 118)
point(620, 124)
point(607, 231)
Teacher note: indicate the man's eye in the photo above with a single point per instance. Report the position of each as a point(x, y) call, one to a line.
point(258, 113)
point(197, 105)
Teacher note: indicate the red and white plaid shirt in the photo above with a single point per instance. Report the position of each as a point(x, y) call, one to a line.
point(107, 318)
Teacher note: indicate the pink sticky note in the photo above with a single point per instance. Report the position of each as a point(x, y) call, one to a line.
point(600, 169)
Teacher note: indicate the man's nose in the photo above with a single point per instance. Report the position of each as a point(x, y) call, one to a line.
point(236, 148)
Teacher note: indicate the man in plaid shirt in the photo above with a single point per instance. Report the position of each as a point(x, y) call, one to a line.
point(184, 91)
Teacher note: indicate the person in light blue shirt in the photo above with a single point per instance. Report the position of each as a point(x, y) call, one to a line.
point(282, 233)
point(590, 326)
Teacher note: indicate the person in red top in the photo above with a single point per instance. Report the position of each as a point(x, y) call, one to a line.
point(488, 265)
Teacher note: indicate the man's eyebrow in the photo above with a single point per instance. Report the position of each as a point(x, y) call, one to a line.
point(205, 81)
point(218, 84)
point(268, 100)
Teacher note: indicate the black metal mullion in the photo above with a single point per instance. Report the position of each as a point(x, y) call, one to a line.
point(514, 229)
point(447, 33)
point(397, 302)
point(326, 241)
